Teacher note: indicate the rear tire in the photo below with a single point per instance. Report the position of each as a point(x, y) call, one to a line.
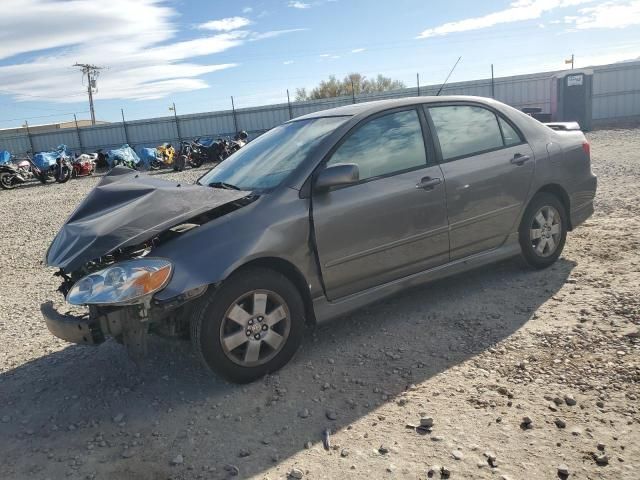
point(543, 230)
point(250, 326)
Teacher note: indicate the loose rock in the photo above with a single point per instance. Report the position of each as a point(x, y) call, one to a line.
point(560, 423)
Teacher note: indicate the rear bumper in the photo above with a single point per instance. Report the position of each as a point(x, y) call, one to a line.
point(72, 328)
point(583, 201)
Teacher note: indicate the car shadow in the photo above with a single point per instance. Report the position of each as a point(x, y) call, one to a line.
point(84, 411)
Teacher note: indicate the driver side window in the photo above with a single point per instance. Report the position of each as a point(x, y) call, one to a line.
point(385, 145)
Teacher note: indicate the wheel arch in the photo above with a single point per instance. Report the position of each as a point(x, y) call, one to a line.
point(292, 273)
point(561, 194)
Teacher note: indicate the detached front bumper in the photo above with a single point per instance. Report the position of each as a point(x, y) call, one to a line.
point(72, 328)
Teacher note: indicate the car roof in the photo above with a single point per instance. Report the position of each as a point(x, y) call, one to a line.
point(367, 108)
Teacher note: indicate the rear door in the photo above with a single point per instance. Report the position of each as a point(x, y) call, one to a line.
point(391, 223)
point(488, 167)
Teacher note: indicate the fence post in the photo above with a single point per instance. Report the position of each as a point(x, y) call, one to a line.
point(175, 115)
point(289, 104)
point(124, 127)
point(493, 87)
point(235, 119)
point(78, 133)
point(26, 124)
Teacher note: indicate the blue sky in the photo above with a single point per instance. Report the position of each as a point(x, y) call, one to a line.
point(197, 53)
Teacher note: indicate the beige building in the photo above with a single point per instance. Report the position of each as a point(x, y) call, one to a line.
point(50, 127)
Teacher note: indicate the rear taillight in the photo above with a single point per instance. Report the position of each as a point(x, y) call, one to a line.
point(587, 148)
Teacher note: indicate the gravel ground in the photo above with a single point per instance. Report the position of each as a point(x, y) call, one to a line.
point(515, 374)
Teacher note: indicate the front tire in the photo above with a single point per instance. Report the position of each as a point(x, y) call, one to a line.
point(543, 230)
point(250, 326)
point(64, 175)
point(7, 181)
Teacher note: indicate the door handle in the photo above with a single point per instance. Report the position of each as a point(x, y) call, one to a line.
point(428, 183)
point(519, 159)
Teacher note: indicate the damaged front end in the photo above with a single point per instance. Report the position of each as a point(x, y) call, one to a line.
point(105, 256)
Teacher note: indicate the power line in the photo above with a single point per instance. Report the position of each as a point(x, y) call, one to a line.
point(20, 94)
point(41, 116)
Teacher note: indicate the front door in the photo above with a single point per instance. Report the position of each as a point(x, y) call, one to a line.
point(393, 221)
point(488, 167)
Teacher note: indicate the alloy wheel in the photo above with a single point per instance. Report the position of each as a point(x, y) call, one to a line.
point(255, 328)
point(546, 231)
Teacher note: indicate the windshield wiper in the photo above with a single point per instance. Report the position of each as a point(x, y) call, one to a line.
point(226, 186)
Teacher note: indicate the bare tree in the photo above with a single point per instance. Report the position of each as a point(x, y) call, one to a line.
point(352, 83)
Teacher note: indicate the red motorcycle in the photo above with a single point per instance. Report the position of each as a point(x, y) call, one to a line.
point(84, 164)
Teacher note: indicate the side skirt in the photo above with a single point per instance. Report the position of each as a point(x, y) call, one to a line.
point(326, 310)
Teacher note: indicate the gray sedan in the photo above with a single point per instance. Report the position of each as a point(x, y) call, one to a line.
point(315, 218)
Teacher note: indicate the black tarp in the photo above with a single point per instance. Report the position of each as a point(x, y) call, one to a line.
point(125, 209)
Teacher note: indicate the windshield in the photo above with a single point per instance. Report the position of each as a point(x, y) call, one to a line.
point(266, 161)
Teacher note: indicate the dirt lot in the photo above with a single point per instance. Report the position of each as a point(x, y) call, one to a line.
point(477, 353)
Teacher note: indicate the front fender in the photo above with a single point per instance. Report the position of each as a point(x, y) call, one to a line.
point(267, 228)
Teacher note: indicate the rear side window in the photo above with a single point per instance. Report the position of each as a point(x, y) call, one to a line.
point(511, 137)
point(385, 145)
point(465, 130)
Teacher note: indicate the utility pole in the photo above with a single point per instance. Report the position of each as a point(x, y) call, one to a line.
point(92, 72)
point(570, 60)
point(418, 82)
point(353, 91)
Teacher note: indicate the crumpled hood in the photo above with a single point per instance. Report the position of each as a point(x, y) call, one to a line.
point(125, 209)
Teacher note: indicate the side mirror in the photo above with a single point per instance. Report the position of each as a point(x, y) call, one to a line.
point(338, 174)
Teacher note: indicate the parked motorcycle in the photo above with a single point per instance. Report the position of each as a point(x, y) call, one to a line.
point(165, 156)
point(13, 174)
point(185, 156)
point(208, 150)
point(232, 146)
point(84, 164)
point(240, 140)
point(54, 165)
point(124, 156)
point(63, 169)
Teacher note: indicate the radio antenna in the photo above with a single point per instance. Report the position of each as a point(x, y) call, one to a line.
point(447, 79)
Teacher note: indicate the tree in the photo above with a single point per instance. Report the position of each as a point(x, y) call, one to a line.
point(354, 82)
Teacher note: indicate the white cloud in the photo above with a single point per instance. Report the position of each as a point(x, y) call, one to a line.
point(324, 55)
point(358, 50)
point(287, 62)
point(247, 10)
point(274, 33)
point(615, 14)
point(143, 59)
point(298, 4)
point(519, 10)
point(225, 24)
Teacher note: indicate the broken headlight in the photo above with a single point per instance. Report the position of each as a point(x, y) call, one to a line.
point(122, 283)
